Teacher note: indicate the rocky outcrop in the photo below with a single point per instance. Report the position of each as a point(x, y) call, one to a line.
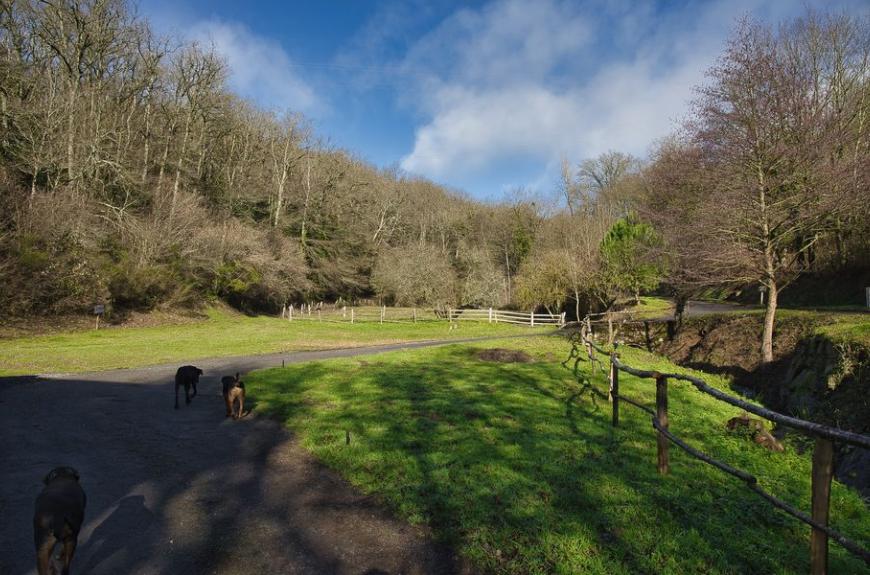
point(812, 376)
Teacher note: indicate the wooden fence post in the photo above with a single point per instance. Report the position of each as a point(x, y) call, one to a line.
point(614, 388)
point(290, 313)
point(351, 315)
point(490, 315)
point(823, 470)
point(532, 319)
point(318, 315)
point(662, 416)
point(589, 326)
point(562, 319)
point(415, 315)
point(383, 313)
point(609, 328)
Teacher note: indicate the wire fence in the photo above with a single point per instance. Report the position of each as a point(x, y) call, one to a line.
point(822, 471)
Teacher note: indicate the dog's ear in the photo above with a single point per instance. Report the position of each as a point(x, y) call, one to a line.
point(50, 477)
point(237, 376)
point(198, 371)
point(61, 471)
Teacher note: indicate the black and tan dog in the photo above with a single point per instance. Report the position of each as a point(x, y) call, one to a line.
point(233, 389)
point(188, 376)
point(57, 518)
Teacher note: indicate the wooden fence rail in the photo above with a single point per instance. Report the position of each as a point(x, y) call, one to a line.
point(384, 314)
point(822, 471)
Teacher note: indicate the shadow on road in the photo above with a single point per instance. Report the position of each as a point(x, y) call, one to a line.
point(188, 491)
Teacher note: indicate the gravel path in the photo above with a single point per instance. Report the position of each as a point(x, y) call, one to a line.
point(186, 491)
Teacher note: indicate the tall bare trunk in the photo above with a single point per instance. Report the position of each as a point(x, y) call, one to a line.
point(307, 199)
point(163, 163)
point(577, 304)
point(70, 132)
point(147, 144)
point(180, 164)
point(282, 182)
point(769, 317)
point(769, 272)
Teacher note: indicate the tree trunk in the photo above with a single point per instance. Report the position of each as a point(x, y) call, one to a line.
point(680, 302)
point(302, 230)
point(282, 182)
point(769, 317)
point(180, 164)
point(70, 133)
point(577, 304)
point(147, 143)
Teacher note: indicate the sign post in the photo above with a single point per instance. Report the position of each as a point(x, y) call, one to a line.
point(99, 310)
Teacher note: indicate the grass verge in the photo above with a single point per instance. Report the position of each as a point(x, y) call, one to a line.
point(516, 465)
point(651, 307)
point(222, 334)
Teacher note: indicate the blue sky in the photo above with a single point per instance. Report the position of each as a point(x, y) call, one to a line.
point(483, 97)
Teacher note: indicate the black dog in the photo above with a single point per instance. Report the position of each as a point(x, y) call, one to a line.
point(233, 389)
point(58, 516)
point(188, 376)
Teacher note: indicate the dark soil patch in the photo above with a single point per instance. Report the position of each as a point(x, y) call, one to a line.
point(504, 356)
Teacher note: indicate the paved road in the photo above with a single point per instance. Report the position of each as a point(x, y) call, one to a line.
point(177, 492)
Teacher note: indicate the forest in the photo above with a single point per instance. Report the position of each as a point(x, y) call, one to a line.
point(131, 175)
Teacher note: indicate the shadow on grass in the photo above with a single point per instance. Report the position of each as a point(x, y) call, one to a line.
point(517, 466)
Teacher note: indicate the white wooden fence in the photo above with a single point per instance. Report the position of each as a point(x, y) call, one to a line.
point(383, 314)
point(504, 316)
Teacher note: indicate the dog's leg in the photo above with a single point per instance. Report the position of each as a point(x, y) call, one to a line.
point(176, 395)
point(241, 402)
point(187, 393)
point(229, 403)
point(194, 390)
point(69, 549)
point(43, 555)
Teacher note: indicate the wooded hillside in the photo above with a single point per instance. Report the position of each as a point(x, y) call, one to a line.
point(131, 175)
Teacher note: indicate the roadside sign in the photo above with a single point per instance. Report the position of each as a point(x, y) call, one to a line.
point(99, 309)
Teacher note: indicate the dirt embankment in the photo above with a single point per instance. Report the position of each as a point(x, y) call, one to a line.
point(812, 376)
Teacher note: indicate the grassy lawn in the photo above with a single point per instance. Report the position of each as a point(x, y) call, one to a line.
point(222, 334)
point(516, 464)
point(651, 307)
point(840, 326)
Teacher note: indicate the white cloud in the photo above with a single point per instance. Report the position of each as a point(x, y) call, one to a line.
point(542, 78)
point(260, 69)
point(522, 77)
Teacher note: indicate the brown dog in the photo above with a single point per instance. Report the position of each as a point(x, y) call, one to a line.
point(57, 518)
point(760, 434)
point(188, 376)
point(233, 389)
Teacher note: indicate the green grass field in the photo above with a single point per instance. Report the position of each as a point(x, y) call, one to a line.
point(517, 466)
point(651, 307)
point(222, 334)
point(840, 326)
